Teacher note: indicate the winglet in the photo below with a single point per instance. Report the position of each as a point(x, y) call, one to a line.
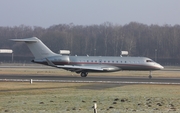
point(50, 63)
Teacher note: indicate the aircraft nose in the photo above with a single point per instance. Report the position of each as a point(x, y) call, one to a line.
point(160, 67)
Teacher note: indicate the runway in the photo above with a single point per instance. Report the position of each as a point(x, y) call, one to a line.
point(91, 79)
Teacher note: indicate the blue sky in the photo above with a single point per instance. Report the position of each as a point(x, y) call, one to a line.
point(88, 12)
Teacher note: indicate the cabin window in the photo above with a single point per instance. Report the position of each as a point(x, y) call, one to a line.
point(112, 61)
point(104, 61)
point(116, 61)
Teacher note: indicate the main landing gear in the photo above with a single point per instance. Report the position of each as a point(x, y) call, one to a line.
point(150, 74)
point(84, 74)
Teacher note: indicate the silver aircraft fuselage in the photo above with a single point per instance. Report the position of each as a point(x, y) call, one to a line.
point(112, 63)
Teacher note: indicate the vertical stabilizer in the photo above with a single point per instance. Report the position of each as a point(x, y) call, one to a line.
point(37, 47)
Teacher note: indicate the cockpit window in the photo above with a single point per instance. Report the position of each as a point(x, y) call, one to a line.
point(149, 61)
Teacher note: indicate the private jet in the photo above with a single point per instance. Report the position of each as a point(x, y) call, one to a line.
point(86, 64)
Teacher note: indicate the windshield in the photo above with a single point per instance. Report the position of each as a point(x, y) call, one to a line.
point(149, 61)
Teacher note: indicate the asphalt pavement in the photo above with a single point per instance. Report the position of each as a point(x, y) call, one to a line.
point(90, 79)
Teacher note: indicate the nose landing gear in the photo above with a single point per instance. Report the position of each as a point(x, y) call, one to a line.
point(150, 74)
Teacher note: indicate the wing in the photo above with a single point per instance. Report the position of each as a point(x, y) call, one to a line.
point(86, 67)
point(89, 68)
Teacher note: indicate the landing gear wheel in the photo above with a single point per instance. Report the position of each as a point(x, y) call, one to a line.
point(150, 74)
point(84, 74)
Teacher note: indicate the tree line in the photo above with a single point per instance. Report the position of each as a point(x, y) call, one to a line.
point(160, 43)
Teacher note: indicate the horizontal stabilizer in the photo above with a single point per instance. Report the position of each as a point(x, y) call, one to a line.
point(25, 40)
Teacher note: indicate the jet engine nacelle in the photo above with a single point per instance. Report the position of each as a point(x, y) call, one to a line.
point(60, 59)
point(63, 59)
point(57, 60)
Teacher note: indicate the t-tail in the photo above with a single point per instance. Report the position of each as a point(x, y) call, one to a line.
point(37, 47)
